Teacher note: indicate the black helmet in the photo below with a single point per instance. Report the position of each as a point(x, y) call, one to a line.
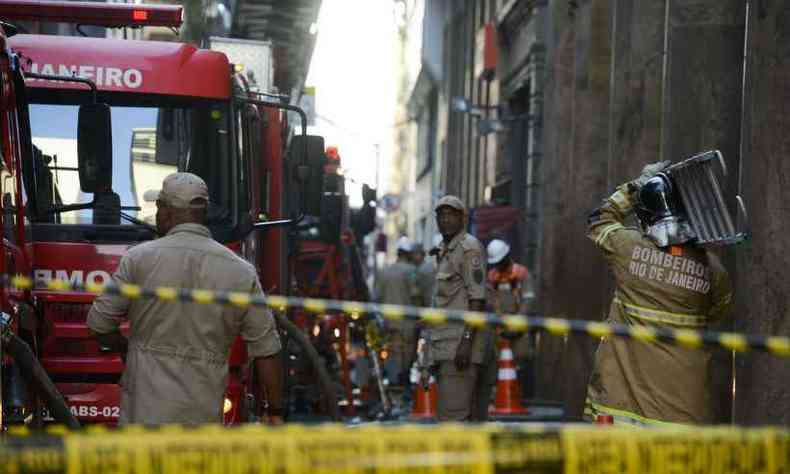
point(657, 200)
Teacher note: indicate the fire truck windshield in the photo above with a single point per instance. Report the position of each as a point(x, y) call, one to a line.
point(150, 141)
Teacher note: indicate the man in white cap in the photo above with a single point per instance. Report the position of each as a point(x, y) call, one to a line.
point(463, 357)
point(396, 284)
point(177, 352)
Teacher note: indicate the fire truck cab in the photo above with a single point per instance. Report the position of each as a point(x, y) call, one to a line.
point(172, 107)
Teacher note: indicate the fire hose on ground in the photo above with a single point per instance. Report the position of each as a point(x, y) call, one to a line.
point(36, 376)
point(324, 380)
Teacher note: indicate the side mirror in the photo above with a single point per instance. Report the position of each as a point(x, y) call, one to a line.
point(308, 171)
point(94, 148)
point(368, 194)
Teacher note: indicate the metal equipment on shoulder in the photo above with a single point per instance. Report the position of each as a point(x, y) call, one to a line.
point(697, 180)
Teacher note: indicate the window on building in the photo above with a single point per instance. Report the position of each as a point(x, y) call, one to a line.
point(426, 131)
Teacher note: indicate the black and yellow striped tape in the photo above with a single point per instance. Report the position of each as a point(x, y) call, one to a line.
point(468, 449)
point(776, 345)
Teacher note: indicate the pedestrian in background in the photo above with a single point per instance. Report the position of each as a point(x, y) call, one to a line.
point(177, 352)
point(396, 284)
point(426, 276)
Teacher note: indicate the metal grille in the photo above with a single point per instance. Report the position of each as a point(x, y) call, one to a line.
point(67, 312)
point(703, 199)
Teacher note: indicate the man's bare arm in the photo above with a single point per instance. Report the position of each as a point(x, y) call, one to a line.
point(270, 381)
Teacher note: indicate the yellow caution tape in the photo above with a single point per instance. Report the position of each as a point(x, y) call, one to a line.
point(688, 338)
point(167, 294)
point(203, 296)
point(776, 345)
point(241, 300)
point(515, 323)
point(332, 449)
point(597, 329)
point(707, 450)
point(374, 449)
point(643, 333)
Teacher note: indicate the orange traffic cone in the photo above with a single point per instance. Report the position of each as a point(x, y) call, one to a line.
point(424, 402)
point(508, 390)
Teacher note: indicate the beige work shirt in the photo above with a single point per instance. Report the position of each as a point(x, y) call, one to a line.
point(396, 284)
point(460, 277)
point(426, 279)
point(680, 287)
point(177, 364)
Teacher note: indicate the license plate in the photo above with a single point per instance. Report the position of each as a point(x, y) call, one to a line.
point(88, 411)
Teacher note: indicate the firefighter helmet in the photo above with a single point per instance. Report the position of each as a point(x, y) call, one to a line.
point(661, 213)
point(656, 200)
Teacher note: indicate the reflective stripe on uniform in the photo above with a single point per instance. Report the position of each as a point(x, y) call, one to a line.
point(625, 418)
point(658, 316)
point(620, 199)
point(604, 233)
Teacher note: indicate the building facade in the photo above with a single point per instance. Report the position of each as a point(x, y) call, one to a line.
point(585, 93)
point(455, 153)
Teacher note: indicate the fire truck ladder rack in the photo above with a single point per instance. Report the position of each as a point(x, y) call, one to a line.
point(110, 15)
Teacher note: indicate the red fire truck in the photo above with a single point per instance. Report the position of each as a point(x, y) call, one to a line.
point(74, 178)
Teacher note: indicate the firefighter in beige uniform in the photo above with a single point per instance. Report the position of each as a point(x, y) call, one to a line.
point(462, 356)
point(662, 280)
point(177, 352)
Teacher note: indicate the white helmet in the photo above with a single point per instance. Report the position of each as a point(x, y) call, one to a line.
point(497, 250)
point(405, 244)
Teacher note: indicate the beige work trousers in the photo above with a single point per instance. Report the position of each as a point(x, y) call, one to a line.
point(463, 395)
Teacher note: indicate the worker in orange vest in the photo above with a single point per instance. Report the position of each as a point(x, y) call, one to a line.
point(506, 278)
point(508, 288)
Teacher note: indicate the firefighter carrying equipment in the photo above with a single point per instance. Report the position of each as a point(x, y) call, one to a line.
point(677, 287)
point(556, 326)
point(497, 250)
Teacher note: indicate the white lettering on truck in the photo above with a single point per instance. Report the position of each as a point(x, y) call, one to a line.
point(103, 76)
point(43, 277)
